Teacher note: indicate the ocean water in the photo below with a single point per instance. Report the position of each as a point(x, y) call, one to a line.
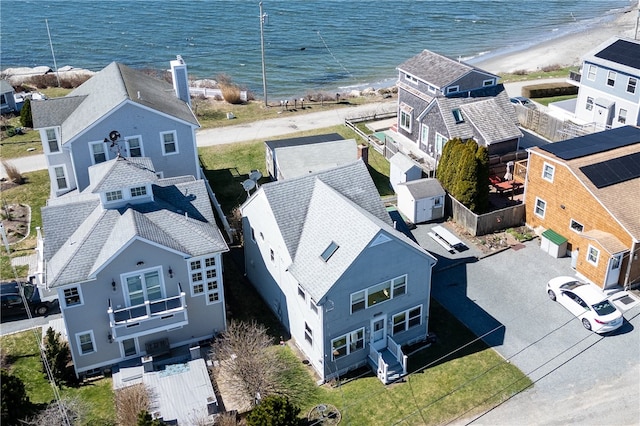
point(310, 45)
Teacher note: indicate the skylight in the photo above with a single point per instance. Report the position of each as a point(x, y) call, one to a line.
point(457, 114)
point(328, 252)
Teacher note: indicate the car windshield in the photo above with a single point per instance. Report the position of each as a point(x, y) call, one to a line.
point(604, 308)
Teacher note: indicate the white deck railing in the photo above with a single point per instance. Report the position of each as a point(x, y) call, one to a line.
point(396, 350)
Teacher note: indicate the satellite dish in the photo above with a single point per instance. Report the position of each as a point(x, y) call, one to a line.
point(248, 185)
point(255, 175)
point(114, 135)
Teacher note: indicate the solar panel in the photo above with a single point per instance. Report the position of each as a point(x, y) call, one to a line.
point(613, 171)
point(594, 143)
point(622, 52)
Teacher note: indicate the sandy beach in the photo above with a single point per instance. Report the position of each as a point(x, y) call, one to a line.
point(566, 50)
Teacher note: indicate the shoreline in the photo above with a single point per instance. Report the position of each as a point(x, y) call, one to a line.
point(565, 50)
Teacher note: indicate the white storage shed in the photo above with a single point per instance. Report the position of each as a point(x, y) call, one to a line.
point(402, 169)
point(421, 200)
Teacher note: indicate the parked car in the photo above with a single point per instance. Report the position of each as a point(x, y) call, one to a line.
point(586, 302)
point(521, 100)
point(11, 294)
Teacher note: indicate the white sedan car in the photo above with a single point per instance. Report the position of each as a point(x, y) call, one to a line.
point(586, 302)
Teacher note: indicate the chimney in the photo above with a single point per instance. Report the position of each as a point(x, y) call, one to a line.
point(180, 79)
point(363, 152)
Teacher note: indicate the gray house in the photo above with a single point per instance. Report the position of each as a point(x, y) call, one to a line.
point(322, 251)
point(288, 158)
point(7, 99)
point(608, 85)
point(118, 111)
point(441, 99)
point(137, 263)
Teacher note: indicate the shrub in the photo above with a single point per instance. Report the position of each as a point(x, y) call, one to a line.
point(15, 402)
point(551, 68)
point(231, 93)
point(274, 410)
point(130, 402)
point(12, 172)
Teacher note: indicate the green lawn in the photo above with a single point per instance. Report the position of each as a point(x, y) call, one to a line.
point(24, 360)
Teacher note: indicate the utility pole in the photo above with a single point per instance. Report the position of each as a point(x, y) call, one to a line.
point(263, 17)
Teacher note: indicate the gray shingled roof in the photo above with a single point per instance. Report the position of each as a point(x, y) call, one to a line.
point(436, 69)
point(81, 236)
point(351, 180)
point(298, 160)
point(478, 113)
point(424, 188)
point(122, 172)
point(331, 217)
point(102, 93)
point(489, 120)
point(5, 86)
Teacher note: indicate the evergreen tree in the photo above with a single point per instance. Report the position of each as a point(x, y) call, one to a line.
point(15, 402)
point(274, 410)
point(58, 355)
point(25, 114)
point(465, 184)
point(145, 419)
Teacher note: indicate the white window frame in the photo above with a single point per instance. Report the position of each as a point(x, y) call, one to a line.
point(272, 255)
point(79, 343)
point(55, 176)
point(301, 292)
point(92, 152)
point(112, 196)
point(128, 142)
point(48, 140)
point(424, 134)
point(622, 116)
point(204, 278)
point(406, 119)
point(576, 226)
point(589, 104)
point(632, 85)
point(489, 82)
point(542, 207)
point(350, 345)
point(391, 286)
point(163, 142)
point(135, 345)
point(611, 78)
point(138, 191)
point(453, 89)
point(548, 172)
point(591, 72)
point(308, 334)
point(593, 255)
point(431, 88)
point(143, 273)
point(441, 140)
point(457, 115)
point(80, 301)
point(411, 78)
point(313, 306)
point(406, 320)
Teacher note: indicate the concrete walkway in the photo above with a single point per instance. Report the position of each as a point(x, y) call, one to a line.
point(284, 123)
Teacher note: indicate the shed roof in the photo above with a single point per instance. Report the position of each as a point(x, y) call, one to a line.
point(297, 160)
point(424, 188)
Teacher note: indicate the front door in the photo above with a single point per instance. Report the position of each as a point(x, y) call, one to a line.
point(613, 271)
point(379, 332)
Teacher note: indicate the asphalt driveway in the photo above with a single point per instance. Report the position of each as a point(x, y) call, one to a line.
point(579, 377)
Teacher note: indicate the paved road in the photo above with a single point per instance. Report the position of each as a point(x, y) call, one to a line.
point(282, 124)
point(580, 377)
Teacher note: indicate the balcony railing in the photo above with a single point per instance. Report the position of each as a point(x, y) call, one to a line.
point(148, 316)
point(575, 76)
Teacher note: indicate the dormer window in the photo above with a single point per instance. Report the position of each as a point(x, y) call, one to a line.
point(487, 83)
point(457, 114)
point(328, 252)
point(138, 191)
point(113, 195)
point(452, 89)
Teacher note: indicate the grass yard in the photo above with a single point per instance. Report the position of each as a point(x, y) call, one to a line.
point(24, 359)
point(227, 166)
point(33, 193)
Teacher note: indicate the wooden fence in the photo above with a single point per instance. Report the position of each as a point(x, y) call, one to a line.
point(487, 223)
point(550, 127)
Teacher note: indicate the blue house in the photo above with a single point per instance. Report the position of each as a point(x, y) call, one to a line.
point(322, 251)
point(609, 85)
point(118, 112)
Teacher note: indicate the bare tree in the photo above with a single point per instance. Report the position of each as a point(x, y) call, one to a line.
point(251, 365)
point(66, 411)
point(129, 402)
point(13, 173)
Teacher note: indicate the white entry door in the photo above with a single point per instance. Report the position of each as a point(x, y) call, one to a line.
point(613, 272)
point(379, 332)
